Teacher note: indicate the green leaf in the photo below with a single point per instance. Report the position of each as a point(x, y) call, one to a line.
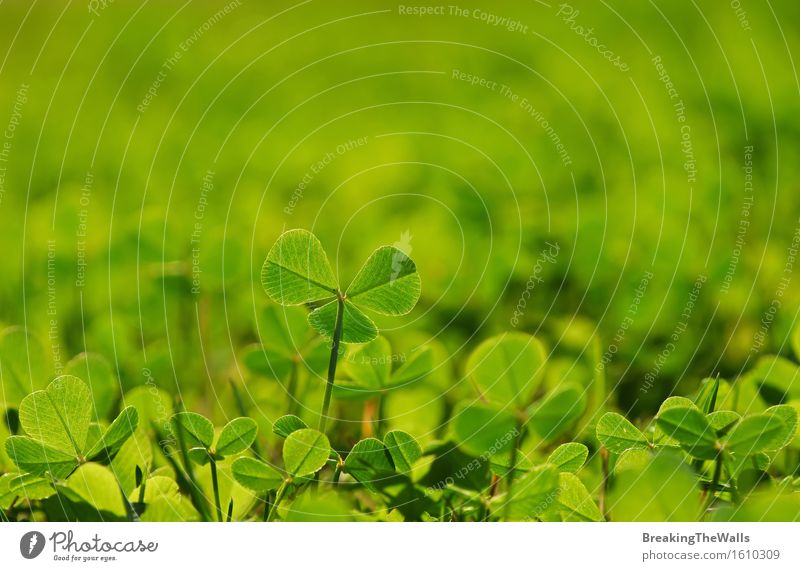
point(507, 368)
point(100, 377)
point(59, 416)
point(22, 365)
point(707, 396)
point(534, 493)
point(659, 437)
point(755, 434)
point(32, 456)
point(164, 501)
point(690, 428)
point(660, 488)
point(305, 452)
point(287, 424)
point(617, 434)
point(370, 366)
point(556, 412)
point(284, 330)
point(32, 487)
point(256, 475)
point(723, 420)
point(575, 501)
point(483, 431)
point(569, 457)
point(135, 453)
point(266, 361)
point(796, 342)
point(297, 270)
point(115, 436)
point(788, 414)
point(356, 327)
point(97, 486)
point(236, 436)
point(368, 462)
point(403, 449)
point(416, 367)
point(387, 283)
point(197, 430)
point(154, 406)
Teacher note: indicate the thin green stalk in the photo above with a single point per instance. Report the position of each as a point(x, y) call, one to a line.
point(604, 455)
point(230, 512)
point(188, 474)
point(379, 413)
point(215, 484)
point(513, 466)
point(278, 498)
point(267, 504)
point(237, 396)
point(714, 483)
point(337, 335)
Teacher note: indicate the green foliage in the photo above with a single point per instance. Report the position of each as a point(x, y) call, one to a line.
point(691, 429)
point(57, 422)
point(305, 452)
point(569, 457)
point(287, 424)
point(507, 368)
point(256, 475)
point(297, 272)
point(617, 434)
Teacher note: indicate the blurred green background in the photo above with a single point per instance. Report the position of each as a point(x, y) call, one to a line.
point(154, 151)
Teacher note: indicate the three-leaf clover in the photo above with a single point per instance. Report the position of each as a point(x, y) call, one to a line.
point(60, 432)
point(297, 272)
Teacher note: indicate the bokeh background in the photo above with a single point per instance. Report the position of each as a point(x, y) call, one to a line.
point(579, 171)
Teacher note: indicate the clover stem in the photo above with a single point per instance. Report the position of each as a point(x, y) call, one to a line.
point(337, 335)
point(604, 484)
point(714, 483)
point(215, 484)
point(278, 497)
point(517, 441)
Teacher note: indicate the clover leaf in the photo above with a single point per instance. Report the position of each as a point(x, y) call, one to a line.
point(297, 272)
point(60, 434)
